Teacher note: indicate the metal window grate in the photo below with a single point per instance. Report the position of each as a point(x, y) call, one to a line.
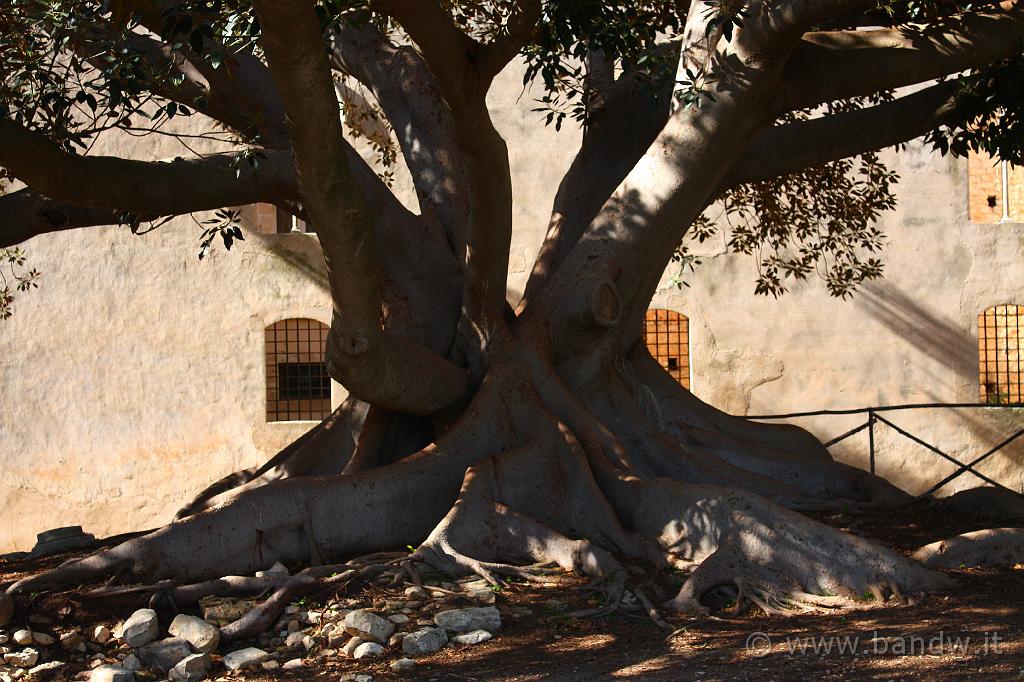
point(1000, 337)
point(298, 387)
point(667, 335)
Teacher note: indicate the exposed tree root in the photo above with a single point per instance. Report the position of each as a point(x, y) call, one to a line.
point(993, 546)
point(986, 502)
point(534, 499)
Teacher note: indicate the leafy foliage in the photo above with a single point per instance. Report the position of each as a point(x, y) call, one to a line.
point(71, 70)
point(624, 33)
point(816, 221)
point(14, 278)
point(223, 223)
point(992, 106)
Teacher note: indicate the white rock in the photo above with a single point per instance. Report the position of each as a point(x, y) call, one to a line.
point(416, 592)
point(368, 650)
point(337, 638)
point(70, 640)
point(26, 658)
point(141, 628)
point(475, 637)
point(131, 662)
point(270, 665)
point(294, 639)
point(101, 634)
point(482, 595)
point(244, 658)
point(22, 637)
point(368, 626)
point(190, 668)
point(164, 654)
point(204, 637)
point(424, 641)
point(278, 569)
point(403, 665)
point(46, 671)
point(294, 664)
point(308, 642)
point(398, 618)
point(350, 646)
point(467, 620)
point(42, 639)
point(111, 673)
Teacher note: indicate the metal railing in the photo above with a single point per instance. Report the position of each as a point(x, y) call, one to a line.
point(873, 418)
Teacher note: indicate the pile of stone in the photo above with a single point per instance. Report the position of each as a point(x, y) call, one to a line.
point(185, 655)
point(24, 654)
point(421, 623)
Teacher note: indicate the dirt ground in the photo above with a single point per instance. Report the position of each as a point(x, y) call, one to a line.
point(974, 632)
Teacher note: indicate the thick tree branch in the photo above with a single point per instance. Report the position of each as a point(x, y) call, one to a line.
point(412, 102)
point(146, 187)
point(25, 214)
point(451, 54)
point(793, 147)
point(832, 65)
point(246, 94)
point(453, 58)
point(627, 119)
point(495, 55)
point(377, 367)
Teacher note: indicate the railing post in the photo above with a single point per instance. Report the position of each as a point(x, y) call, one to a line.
point(871, 441)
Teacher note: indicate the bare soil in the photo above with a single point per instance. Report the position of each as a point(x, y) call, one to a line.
point(974, 632)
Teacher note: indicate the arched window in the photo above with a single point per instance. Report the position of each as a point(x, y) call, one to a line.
point(298, 387)
point(1000, 337)
point(667, 335)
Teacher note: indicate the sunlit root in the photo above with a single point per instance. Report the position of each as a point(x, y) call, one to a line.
point(990, 547)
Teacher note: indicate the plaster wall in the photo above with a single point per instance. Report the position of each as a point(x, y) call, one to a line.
point(133, 377)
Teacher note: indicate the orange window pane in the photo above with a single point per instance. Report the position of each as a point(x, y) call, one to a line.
point(1000, 336)
point(666, 334)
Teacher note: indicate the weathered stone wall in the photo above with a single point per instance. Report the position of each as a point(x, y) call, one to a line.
point(133, 377)
point(910, 338)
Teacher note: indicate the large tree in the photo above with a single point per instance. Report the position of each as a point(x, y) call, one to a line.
point(491, 437)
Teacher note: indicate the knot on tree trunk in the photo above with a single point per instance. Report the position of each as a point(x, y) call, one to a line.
point(604, 306)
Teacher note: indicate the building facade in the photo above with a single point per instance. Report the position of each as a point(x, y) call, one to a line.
point(137, 374)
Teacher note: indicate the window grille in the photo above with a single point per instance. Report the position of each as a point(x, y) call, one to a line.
point(298, 387)
point(667, 335)
point(1000, 337)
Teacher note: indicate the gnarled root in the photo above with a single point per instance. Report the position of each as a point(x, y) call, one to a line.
point(775, 557)
point(482, 536)
point(993, 546)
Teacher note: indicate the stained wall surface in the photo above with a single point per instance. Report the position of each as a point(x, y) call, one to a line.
point(134, 376)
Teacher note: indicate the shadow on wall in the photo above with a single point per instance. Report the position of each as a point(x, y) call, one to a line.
point(298, 251)
point(936, 336)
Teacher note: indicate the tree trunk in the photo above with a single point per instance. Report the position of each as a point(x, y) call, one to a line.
point(534, 471)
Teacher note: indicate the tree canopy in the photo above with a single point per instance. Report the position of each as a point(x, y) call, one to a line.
point(74, 70)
